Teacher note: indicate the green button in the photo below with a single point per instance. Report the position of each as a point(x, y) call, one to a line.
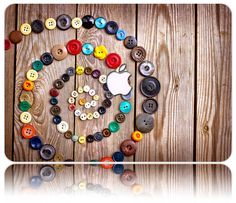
point(114, 126)
point(24, 106)
point(37, 65)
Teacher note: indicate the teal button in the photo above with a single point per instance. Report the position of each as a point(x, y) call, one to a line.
point(100, 23)
point(125, 107)
point(114, 126)
point(87, 49)
point(37, 65)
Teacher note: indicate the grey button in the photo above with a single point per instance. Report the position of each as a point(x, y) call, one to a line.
point(47, 173)
point(144, 122)
point(146, 68)
point(98, 136)
point(108, 95)
point(150, 106)
point(47, 152)
point(128, 178)
point(70, 71)
point(63, 22)
point(150, 87)
point(128, 96)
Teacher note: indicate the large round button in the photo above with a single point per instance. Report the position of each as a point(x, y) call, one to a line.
point(146, 68)
point(128, 178)
point(27, 96)
point(113, 60)
point(125, 107)
point(150, 106)
point(118, 169)
point(25, 117)
point(37, 26)
point(118, 156)
point(63, 22)
point(15, 37)
point(121, 34)
point(58, 84)
point(98, 136)
point(128, 147)
point(114, 126)
point(32, 75)
point(88, 21)
point(36, 143)
point(87, 49)
point(111, 27)
point(120, 117)
point(76, 23)
point(62, 127)
point(150, 87)
point(25, 29)
point(47, 173)
point(24, 106)
point(47, 152)
point(106, 132)
point(59, 52)
point(100, 22)
point(37, 65)
point(130, 42)
point(46, 58)
point(144, 122)
point(55, 110)
point(138, 54)
point(100, 52)
point(74, 47)
point(28, 131)
point(50, 23)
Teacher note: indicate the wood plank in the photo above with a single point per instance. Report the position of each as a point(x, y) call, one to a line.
point(214, 130)
point(169, 41)
point(29, 50)
point(98, 37)
point(10, 18)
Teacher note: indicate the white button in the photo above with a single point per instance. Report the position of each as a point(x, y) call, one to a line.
point(25, 117)
point(92, 92)
point(77, 112)
point(93, 103)
point(87, 105)
point(74, 94)
point(80, 90)
point(102, 79)
point(71, 100)
point(62, 127)
point(86, 88)
point(96, 114)
point(83, 116)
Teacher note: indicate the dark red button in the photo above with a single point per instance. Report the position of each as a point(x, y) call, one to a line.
point(74, 47)
point(7, 44)
point(54, 92)
point(113, 60)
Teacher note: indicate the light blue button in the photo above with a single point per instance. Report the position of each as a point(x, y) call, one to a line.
point(125, 107)
point(100, 23)
point(121, 34)
point(87, 49)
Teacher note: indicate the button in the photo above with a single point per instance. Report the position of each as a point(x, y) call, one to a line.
point(28, 85)
point(128, 178)
point(101, 110)
point(96, 74)
point(137, 189)
point(89, 138)
point(138, 54)
point(87, 105)
point(28, 131)
point(47, 152)
point(144, 123)
point(63, 22)
point(54, 92)
point(125, 107)
point(77, 112)
point(111, 27)
point(70, 71)
point(106, 165)
point(93, 103)
point(87, 49)
point(15, 37)
point(127, 97)
point(37, 65)
point(92, 92)
point(46, 58)
point(96, 114)
point(82, 102)
point(58, 158)
point(82, 140)
point(114, 126)
point(37, 26)
point(113, 60)
point(88, 21)
point(80, 90)
point(25, 29)
point(105, 87)
point(96, 97)
point(59, 52)
point(150, 106)
point(62, 127)
point(146, 68)
point(74, 94)
point(100, 52)
point(79, 70)
point(120, 117)
point(121, 34)
point(50, 23)
point(88, 70)
point(76, 23)
point(32, 75)
point(130, 42)
point(106, 103)
point(24, 106)
point(35, 182)
point(102, 79)
point(35, 142)
point(108, 95)
point(98, 136)
point(56, 119)
point(58, 84)
point(55, 110)
point(7, 44)
point(47, 173)
point(128, 147)
point(137, 136)
point(118, 156)
point(25, 117)
point(75, 138)
point(150, 87)
point(72, 107)
point(89, 116)
point(65, 77)
point(86, 88)
point(74, 47)
point(100, 22)
point(68, 134)
point(53, 101)
point(27, 96)
point(118, 169)
point(106, 132)
point(83, 117)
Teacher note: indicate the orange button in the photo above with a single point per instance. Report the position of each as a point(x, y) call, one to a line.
point(28, 131)
point(106, 165)
point(28, 85)
point(137, 136)
point(82, 102)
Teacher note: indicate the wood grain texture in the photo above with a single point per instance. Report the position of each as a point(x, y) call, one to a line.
point(169, 41)
point(214, 130)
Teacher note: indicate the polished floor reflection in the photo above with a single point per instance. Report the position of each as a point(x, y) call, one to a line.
point(143, 180)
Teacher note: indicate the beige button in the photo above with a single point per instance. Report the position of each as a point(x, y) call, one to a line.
point(87, 105)
point(82, 185)
point(27, 96)
point(59, 52)
point(82, 139)
point(32, 75)
point(71, 100)
point(92, 92)
point(80, 90)
point(25, 117)
point(102, 79)
point(89, 116)
point(83, 117)
point(76, 22)
point(58, 158)
point(96, 114)
point(25, 29)
point(96, 97)
point(77, 112)
point(86, 88)
point(50, 24)
point(62, 127)
point(93, 103)
point(74, 94)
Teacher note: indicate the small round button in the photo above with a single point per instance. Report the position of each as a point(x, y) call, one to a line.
point(88, 70)
point(50, 23)
point(77, 112)
point(93, 103)
point(35, 181)
point(96, 74)
point(100, 22)
point(118, 156)
point(68, 134)
point(56, 119)
point(86, 88)
point(25, 29)
point(47, 173)
point(37, 26)
point(25, 117)
point(118, 169)
point(120, 117)
point(89, 116)
point(79, 70)
point(82, 101)
point(82, 140)
point(106, 132)
point(146, 68)
point(98, 136)
point(138, 54)
point(89, 138)
point(58, 158)
point(58, 84)
point(96, 114)
point(128, 147)
point(71, 100)
point(24, 106)
point(63, 22)
point(150, 106)
point(75, 138)
point(15, 37)
point(113, 60)
point(65, 77)
point(100, 52)
point(32, 75)
point(72, 107)
point(144, 122)
point(121, 34)
point(96, 97)
point(36, 142)
point(62, 127)
point(70, 71)
point(108, 95)
point(74, 94)
point(105, 87)
point(28, 85)
point(106, 103)
point(111, 27)
point(87, 105)
point(46, 58)
point(59, 52)
point(54, 92)
point(106, 165)
point(28, 131)
point(130, 42)
point(150, 87)
point(114, 126)
point(47, 152)
point(102, 79)
point(125, 107)
point(101, 110)
point(83, 117)
point(128, 96)
point(87, 49)
point(88, 21)
point(92, 92)
point(37, 65)
point(76, 23)
point(74, 47)
point(55, 110)
point(128, 178)
point(7, 44)
point(53, 101)
point(137, 136)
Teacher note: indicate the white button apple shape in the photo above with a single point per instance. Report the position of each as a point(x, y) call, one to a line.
point(118, 81)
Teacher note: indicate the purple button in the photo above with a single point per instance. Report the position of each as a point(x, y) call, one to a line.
point(96, 74)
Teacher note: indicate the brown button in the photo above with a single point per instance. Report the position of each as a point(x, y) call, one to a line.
point(128, 178)
point(55, 110)
point(120, 117)
point(88, 71)
point(59, 84)
point(27, 96)
point(138, 54)
point(59, 52)
point(106, 103)
point(15, 37)
point(106, 132)
point(68, 134)
point(128, 147)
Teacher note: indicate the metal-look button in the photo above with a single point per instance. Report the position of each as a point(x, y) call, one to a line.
point(111, 27)
point(150, 87)
point(128, 178)
point(88, 21)
point(55, 110)
point(144, 122)
point(150, 106)
point(47, 152)
point(130, 42)
point(58, 84)
point(46, 58)
point(120, 117)
point(128, 147)
point(47, 173)
point(59, 52)
point(138, 54)
point(37, 26)
point(146, 68)
point(63, 22)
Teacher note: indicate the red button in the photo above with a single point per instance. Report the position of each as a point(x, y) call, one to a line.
point(72, 107)
point(7, 44)
point(106, 165)
point(28, 131)
point(54, 92)
point(74, 47)
point(113, 60)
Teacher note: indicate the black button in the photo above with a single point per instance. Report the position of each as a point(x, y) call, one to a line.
point(37, 26)
point(101, 110)
point(130, 42)
point(111, 27)
point(98, 136)
point(63, 22)
point(65, 77)
point(47, 152)
point(105, 87)
point(47, 173)
point(150, 87)
point(150, 106)
point(108, 95)
point(106, 103)
point(90, 138)
point(88, 21)
point(46, 58)
point(56, 119)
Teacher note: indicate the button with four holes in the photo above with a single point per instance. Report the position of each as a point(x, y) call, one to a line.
point(50, 23)
point(25, 29)
point(32, 75)
point(150, 106)
point(25, 117)
point(46, 58)
point(130, 42)
point(28, 85)
point(58, 84)
point(37, 65)
point(138, 54)
point(37, 26)
point(28, 131)
point(76, 23)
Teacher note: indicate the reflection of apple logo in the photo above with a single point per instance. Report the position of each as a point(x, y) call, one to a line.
point(118, 81)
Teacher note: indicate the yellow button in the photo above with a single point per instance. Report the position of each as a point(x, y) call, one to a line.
point(50, 23)
point(82, 139)
point(82, 101)
point(82, 185)
point(96, 97)
point(76, 23)
point(25, 29)
point(100, 52)
point(89, 116)
point(25, 117)
point(32, 75)
point(80, 90)
point(79, 70)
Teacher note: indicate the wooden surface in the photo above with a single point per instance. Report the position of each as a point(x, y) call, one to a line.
point(190, 46)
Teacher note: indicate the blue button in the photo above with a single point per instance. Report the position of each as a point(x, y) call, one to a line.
point(35, 181)
point(118, 156)
point(53, 101)
point(56, 119)
point(125, 107)
point(100, 23)
point(36, 143)
point(87, 49)
point(120, 35)
point(118, 168)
